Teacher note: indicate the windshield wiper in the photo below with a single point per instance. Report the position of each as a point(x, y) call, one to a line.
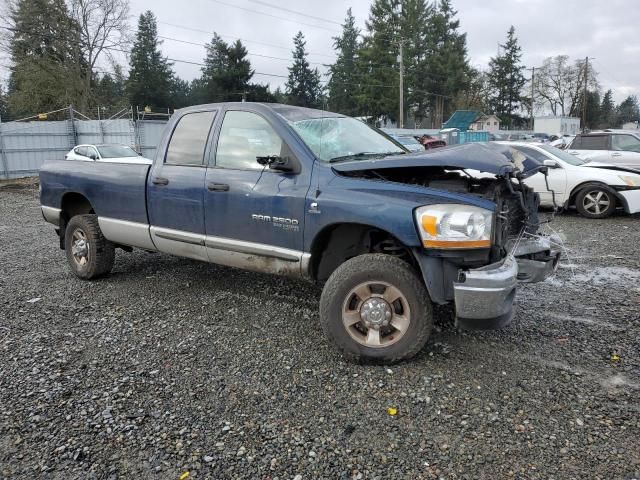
point(356, 156)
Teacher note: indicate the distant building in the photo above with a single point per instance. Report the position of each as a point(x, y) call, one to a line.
point(556, 124)
point(465, 120)
point(486, 123)
point(630, 126)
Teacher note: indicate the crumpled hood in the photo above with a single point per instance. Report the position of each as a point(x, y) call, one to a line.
point(486, 157)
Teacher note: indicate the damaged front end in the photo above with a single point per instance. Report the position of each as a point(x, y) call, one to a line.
point(480, 280)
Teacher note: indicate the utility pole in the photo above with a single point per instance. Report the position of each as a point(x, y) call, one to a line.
point(401, 122)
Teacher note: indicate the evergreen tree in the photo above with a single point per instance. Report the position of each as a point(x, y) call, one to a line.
point(4, 105)
point(150, 76)
point(594, 114)
point(303, 86)
point(216, 63)
point(607, 111)
point(506, 79)
point(47, 63)
point(180, 93)
point(628, 110)
point(446, 68)
point(226, 72)
point(378, 62)
point(414, 19)
point(239, 72)
point(110, 89)
point(343, 86)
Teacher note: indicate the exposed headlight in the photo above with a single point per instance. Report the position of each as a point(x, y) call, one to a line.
point(454, 226)
point(631, 181)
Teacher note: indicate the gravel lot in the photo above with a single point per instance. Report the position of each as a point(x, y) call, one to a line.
point(171, 366)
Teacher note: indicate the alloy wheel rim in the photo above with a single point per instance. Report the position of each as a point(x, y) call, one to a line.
point(80, 247)
point(376, 314)
point(596, 202)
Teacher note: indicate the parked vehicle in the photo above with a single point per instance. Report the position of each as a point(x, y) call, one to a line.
point(596, 189)
point(112, 153)
point(409, 142)
point(429, 142)
point(311, 194)
point(539, 138)
point(561, 141)
point(620, 147)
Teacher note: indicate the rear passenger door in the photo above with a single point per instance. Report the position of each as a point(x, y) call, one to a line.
point(591, 147)
point(175, 188)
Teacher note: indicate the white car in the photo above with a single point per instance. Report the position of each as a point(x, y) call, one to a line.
point(619, 147)
point(111, 153)
point(596, 189)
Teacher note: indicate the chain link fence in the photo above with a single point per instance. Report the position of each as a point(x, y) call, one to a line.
point(28, 143)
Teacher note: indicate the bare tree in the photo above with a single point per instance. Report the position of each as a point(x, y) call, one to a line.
point(559, 84)
point(104, 29)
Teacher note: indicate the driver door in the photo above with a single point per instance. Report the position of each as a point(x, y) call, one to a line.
point(253, 214)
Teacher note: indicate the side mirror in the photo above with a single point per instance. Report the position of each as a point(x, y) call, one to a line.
point(275, 162)
point(93, 156)
point(551, 164)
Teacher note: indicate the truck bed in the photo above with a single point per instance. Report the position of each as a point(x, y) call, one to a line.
point(116, 190)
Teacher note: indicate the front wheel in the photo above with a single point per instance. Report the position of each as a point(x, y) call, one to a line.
point(89, 254)
point(595, 202)
point(375, 307)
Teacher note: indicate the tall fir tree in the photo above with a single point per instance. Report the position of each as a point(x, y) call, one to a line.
point(607, 110)
point(506, 79)
point(628, 110)
point(150, 76)
point(414, 19)
point(446, 67)
point(226, 75)
point(47, 62)
point(343, 87)
point(303, 85)
point(378, 62)
point(216, 62)
point(4, 105)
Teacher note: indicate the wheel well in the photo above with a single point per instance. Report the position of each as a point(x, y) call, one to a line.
point(72, 204)
point(338, 243)
point(574, 193)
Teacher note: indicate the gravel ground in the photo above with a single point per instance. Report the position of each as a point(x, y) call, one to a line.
point(171, 366)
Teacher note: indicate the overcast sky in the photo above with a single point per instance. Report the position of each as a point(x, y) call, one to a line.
point(606, 30)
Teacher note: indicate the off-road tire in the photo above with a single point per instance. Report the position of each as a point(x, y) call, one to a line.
point(101, 251)
point(383, 268)
point(594, 189)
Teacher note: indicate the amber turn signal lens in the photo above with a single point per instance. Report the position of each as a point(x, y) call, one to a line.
point(430, 225)
point(458, 244)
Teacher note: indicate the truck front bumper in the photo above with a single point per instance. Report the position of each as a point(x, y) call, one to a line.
point(484, 297)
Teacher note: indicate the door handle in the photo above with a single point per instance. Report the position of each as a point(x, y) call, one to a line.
point(218, 187)
point(160, 181)
point(616, 154)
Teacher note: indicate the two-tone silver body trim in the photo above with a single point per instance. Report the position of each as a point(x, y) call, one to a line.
point(51, 214)
point(123, 232)
point(251, 248)
point(179, 243)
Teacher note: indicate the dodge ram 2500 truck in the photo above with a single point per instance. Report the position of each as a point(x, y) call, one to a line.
point(318, 195)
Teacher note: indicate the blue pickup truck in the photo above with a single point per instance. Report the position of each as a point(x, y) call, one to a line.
point(317, 195)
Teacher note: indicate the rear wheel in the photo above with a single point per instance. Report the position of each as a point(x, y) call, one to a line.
point(89, 254)
point(374, 307)
point(595, 202)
